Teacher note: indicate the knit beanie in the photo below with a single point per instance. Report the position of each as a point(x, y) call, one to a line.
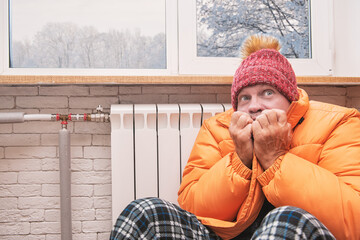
point(264, 64)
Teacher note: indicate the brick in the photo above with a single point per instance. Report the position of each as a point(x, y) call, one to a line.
point(30, 152)
point(77, 152)
point(8, 177)
point(101, 140)
point(82, 190)
point(7, 102)
point(8, 203)
point(6, 128)
point(87, 236)
point(53, 236)
point(81, 203)
point(158, 89)
point(103, 214)
point(353, 91)
point(102, 202)
point(126, 90)
point(18, 91)
point(17, 215)
point(324, 90)
point(45, 227)
point(68, 90)
point(97, 152)
point(103, 236)
point(102, 164)
point(50, 164)
point(102, 190)
point(19, 190)
point(81, 164)
point(83, 215)
point(52, 215)
point(92, 102)
point(354, 103)
point(211, 89)
point(21, 237)
point(223, 98)
point(80, 139)
point(19, 139)
point(193, 98)
point(91, 177)
point(42, 102)
point(49, 139)
point(37, 127)
point(76, 227)
point(337, 100)
point(39, 177)
point(50, 190)
point(2, 152)
point(96, 226)
point(104, 90)
point(92, 128)
point(15, 228)
point(144, 98)
point(13, 165)
point(38, 202)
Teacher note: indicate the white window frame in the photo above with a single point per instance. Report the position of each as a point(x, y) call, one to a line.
point(322, 44)
point(171, 51)
point(181, 47)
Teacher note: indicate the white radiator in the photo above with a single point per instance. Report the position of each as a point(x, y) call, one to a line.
point(150, 145)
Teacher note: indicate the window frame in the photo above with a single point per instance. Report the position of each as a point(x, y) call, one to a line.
point(181, 47)
point(321, 36)
point(171, 52)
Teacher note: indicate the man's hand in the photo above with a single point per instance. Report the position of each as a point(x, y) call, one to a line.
point(240, 132)
point(272, 136)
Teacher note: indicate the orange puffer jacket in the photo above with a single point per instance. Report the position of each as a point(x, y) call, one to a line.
point(320, 173)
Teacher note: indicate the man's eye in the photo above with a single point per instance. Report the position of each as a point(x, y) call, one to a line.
point(244, 98)
point(268, 92)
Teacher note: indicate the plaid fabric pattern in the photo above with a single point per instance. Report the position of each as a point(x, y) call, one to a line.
point(291, 223)
point(153, 218)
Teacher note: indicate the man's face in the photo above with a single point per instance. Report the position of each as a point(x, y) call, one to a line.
point(254, 99)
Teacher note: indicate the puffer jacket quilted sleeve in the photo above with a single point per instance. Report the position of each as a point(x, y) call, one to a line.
point(321, 172)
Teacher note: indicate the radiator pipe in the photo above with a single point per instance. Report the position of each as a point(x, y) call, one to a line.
point(65, 182)
point(12, 117)
point(64, 154)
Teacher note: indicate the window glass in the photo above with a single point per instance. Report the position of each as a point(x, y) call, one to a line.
point(222, 25)
point(126, 34)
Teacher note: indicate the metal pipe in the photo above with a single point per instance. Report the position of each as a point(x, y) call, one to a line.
point(64, 154)
point(38, 117)
point(65, 182)
point(12, 117)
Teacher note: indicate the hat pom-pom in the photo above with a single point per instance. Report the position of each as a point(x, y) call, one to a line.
point(257, 42)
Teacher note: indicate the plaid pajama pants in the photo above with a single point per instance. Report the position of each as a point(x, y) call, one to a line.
point(153, 218)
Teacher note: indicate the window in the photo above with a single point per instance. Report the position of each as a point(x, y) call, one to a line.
point(87, 34)
point(127, 36)
point(158, 37)
point(222, 25)
point(211, 43)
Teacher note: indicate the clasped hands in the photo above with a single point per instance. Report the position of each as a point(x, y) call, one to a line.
point(268, 136)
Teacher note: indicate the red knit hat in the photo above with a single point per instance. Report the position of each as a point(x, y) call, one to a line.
point(263, 64)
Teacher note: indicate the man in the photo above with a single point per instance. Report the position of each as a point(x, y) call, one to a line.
point(274, 153)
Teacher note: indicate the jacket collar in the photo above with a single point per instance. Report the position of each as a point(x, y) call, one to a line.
point(295, 112)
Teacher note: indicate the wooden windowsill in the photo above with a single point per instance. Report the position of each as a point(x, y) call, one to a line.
point(185, 79)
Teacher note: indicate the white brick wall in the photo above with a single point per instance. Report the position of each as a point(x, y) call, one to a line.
point(29, 165)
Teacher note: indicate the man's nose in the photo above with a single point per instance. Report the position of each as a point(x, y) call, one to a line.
point(255, 106)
